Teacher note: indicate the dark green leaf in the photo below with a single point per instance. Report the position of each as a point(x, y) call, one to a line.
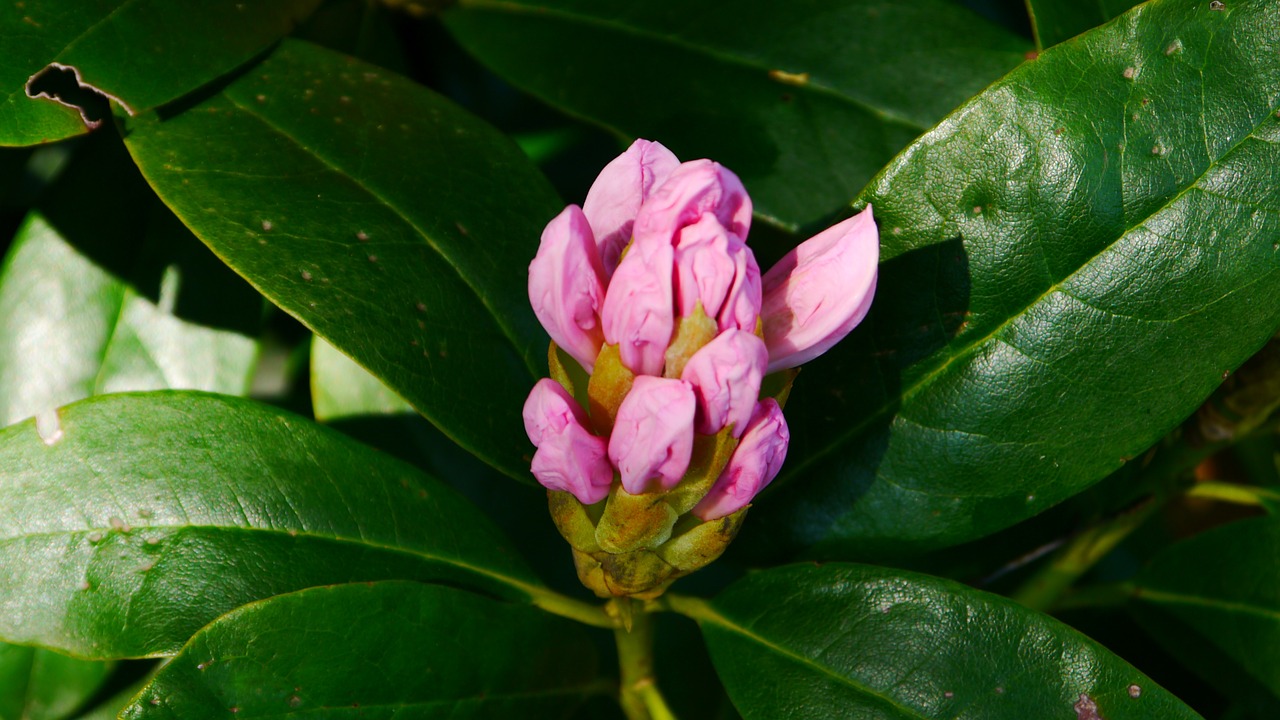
point(853, 641)
point(1074, 262)
point(1225, 586)
point(804, 100)
point(1053, 21)
point(136, 519)
point(383, 650)
point(141, 53)
point(103, 290)
point(392, 223)
point(42, 685)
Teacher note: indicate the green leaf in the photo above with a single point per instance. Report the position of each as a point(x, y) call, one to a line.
point(103, 290)
point(1053, 21)
point(342, 389)
point(388, 220)
point(42, 685)
point(1224, 586)
point(839, 640)
point(1056, 296)
point(137, 519)
point(140, 53)
point(804, 100)
point(381, 650)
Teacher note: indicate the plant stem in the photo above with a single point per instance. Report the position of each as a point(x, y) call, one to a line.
point(639, 694)
point(1044, 588)
point(1238, 494)
point(565, 606)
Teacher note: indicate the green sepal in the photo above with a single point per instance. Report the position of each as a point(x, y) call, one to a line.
point(632, 522)
point(609, 384)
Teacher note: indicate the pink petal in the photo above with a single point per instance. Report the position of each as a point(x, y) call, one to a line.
point(693, 189)
point(820, 291)
point(653, 436)
point(715, 267)
point(725, 374)
point(616, 195)
point(566, 286)
point(638, 316)
point(550, 409)
point(754, 464)
point(569, 457)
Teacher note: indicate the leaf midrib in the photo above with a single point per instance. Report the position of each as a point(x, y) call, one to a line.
point(921, 384)
point(528, 589)
point(498, 319)
point(724, 57)
point(703, 611)
point(1166, 597)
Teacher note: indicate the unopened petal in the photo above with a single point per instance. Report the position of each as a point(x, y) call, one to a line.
point(566, 286)
point(550, 409)
point(574, 461)
point(820, 291)
point(616, 195)
point(725, 375)
point(715, 267)
point(693, 189)
point(652, 439)
point(754, 464)
point(638, 315)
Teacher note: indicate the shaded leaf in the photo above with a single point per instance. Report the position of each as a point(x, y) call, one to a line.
point(1224, 586)
point(141, 53)
point(42, 685)
point(840, 640)
point(1074, 261)
point(139, 518)
point(341, 389)
point(390, 222)
point(441, 653)
point(1053, 21)
point(805, 118)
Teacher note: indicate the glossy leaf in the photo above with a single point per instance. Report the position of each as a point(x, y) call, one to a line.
point(141, 53)
point(1053, 21)
point(1224, 585)
point(1074, 261)
point(838, 640)
point(440, 653)
point(389, 221)
point(103, 290)
point(42, 685)
point(341, 389)
point(804, 100)
point(136, 519)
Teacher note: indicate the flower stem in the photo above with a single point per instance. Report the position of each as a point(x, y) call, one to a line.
point(639, 694)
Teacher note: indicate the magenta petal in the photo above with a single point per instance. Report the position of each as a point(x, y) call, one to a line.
point(638, 316)
point(550, 409)
point(653, 435)
point(569, 457)
point(714, 267)
point(692, 190)
point(820, 291)
point(725, 374)
point(616, 195)
point(566, 286)
point(754, 464)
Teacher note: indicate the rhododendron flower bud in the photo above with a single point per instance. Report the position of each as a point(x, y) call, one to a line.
point(725, 375)
point(754, 464)
point(715, 267)
point(566, 286)
point(819, 291)
point(695, 188)
point(569, 457)
point(638, 315)
point(616, 195)
point(652, 437)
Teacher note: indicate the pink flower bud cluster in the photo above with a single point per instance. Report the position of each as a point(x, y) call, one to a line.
point(655, 242)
